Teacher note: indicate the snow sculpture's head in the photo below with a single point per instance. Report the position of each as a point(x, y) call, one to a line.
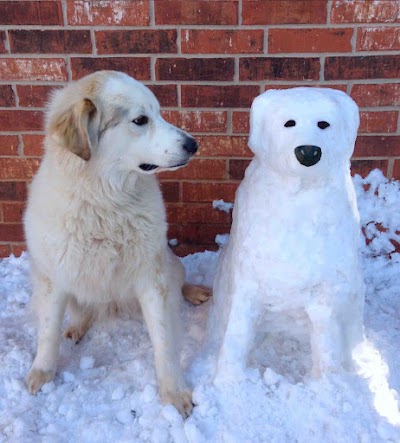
point(303, 131)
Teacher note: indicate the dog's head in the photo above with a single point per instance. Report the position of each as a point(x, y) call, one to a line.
point(109, 116)
point(303, 131)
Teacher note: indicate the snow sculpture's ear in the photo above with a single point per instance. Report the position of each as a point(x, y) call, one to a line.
point(350, 114)
point(257, 122)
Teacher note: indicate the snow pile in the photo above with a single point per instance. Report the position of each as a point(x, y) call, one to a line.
point(105, 389)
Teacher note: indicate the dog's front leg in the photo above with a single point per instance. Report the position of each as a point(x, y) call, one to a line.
point(161, 311)
point(50, 307)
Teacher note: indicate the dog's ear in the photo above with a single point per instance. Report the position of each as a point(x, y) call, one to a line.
point(72, 128)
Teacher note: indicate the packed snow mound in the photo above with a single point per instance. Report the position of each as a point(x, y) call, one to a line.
point(105, 389)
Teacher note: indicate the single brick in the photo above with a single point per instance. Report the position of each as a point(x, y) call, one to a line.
point(308, 85)
point(195, 69)
point(198, 121)
point(17, 120)
point(270, 12)
point(108, 13)
point(9, 145)
point(170, 191)
point(7, 97)
point(309, 40)
point(167, 95)
point(34, 96)
point(195, 213)
point(13, 191)
point(198, 169)
point(3, 49)
point(240, 122)
point(11, 232)
point(224, 146)
point(31, 13)
point(237, 168)
point(203, 234)
point(33, 69)
point(33, 144)
point(381, 121)
point(183, 249)
point(378, 39)
point(5, 251)
point(396, 169)
point(17, 168)
point(386, 94)
point(196, 12)
point(377, 146)
point(50, 42)
point(208, 41)
point(208, 192)
point(365, 11)
point(364, 167)
point(235, 96)
point(18, 248)
point(364, 67)
point(136, 42)
point(138, 68)
point(13, 212)
point(277, 68)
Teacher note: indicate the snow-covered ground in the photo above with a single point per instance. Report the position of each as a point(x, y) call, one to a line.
point(105, 389)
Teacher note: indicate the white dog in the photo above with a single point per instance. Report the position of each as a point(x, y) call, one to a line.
point(293, 250)
point(95, 222)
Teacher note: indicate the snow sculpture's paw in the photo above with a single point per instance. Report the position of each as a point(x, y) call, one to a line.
point(196, 294)
point(181, 400)
point(75, 333)
point(37, 378)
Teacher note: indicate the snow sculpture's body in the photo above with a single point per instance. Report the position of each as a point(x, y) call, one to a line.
point(295, 232)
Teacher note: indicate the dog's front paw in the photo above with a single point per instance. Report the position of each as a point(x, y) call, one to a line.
point(181, 400)
point(37, 378)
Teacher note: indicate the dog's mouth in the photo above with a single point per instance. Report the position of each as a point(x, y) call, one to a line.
point(147, 167)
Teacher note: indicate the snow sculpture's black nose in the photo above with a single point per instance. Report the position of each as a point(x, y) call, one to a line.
point(190, 145)
point(308, 155)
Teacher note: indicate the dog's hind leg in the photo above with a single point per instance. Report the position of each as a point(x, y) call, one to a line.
point(81, 319)
point(196, 294)
point(49, 304)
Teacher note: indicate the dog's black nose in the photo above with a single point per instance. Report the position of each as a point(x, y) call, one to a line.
point(190, 145)
point(308, 155)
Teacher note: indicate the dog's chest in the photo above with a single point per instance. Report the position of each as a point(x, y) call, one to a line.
point(105, 250)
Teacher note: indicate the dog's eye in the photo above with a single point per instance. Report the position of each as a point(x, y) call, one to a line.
point(323, 125)
point(142, 120)
point(290, 123)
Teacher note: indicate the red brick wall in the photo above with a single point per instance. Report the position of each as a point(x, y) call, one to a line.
point(206, 61)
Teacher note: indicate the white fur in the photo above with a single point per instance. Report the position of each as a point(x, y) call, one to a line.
point(96, 228)
point(293, 248)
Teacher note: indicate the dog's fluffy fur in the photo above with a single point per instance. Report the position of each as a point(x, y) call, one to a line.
point(95, 222)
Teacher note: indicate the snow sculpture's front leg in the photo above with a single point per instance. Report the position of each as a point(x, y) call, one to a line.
point(335, 330)
point(239, 334)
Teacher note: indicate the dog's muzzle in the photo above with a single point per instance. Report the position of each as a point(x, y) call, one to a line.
point(308, 155)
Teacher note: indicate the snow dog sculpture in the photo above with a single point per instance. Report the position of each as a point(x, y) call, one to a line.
point(293, 247)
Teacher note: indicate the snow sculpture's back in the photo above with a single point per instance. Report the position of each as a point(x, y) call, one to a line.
point(293, 249)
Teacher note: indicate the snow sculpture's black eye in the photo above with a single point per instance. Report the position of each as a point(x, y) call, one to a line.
point(290, 123)
point(142, 120)
point(323, 125)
